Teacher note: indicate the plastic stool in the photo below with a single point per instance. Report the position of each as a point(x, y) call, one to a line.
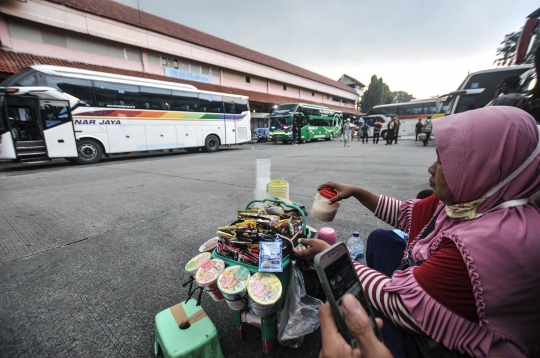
point(268, 326)
point(185, 330)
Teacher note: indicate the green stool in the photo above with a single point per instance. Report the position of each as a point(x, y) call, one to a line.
point(185, 330)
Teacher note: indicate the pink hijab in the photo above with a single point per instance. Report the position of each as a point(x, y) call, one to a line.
point(481, 148)
point(478, 150)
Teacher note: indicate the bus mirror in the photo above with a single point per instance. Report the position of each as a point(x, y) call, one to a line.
point(438, 104)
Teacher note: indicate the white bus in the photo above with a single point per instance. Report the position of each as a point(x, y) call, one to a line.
point(408, 112)
point(122, 114)
point(478, 89)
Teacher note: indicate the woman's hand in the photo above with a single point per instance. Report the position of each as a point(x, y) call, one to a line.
point(310, 248)
point(359, 324)
point(344, 191)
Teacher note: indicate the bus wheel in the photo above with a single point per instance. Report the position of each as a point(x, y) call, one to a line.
point(89, 151)
point(383, 135)
point(331, 137)
point(192, 150)
point(211, 144)
point(284, 141)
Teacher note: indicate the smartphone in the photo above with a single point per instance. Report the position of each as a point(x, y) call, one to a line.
point(338, 277)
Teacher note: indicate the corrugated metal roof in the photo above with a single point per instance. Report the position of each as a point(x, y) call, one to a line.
point(122, 13)
point(13, 62)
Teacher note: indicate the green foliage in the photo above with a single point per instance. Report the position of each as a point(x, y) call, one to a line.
point(377, 93)
point(506, 52)
point(402, 96)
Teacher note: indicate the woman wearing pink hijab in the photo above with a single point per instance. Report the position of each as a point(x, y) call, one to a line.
point(467, 281)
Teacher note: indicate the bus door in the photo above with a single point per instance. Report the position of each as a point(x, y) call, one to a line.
point(230, 120)
point(58, 130)
point(7, 147)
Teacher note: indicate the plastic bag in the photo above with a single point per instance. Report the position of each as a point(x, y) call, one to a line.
point(299, 316)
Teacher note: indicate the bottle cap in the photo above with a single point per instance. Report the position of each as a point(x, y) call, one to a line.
point(328, 193)
point(356, 233)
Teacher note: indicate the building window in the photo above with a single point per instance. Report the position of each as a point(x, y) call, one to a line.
point(175, 63)
point(284, 87)
point(248, 79)
point(313, 94)
point(327, 97)
point(164, 61)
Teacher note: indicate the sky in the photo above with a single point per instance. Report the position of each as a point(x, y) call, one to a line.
point(423, 47)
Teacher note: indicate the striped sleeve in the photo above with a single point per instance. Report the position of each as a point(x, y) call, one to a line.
point(389, 304)
point(388, 210)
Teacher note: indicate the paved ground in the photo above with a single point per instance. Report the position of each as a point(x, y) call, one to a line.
point(89, 254)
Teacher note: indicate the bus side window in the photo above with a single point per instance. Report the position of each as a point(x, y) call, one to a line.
point(156, 98)
point(229, 107)
point(240, 105)
point(185, 101)
point(211, 103)
point(82, 89)
point(117, 95)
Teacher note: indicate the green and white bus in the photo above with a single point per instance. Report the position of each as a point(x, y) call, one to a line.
point(316, 122)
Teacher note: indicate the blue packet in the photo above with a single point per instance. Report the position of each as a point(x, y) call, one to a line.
point(270, 258)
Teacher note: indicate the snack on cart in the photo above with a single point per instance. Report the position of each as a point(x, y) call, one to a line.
point(207, 276)
point(233, 284)
point(264, 290)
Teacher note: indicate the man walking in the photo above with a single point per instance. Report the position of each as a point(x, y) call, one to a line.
point(347, 131)
point(365, 132)
point(418, 129)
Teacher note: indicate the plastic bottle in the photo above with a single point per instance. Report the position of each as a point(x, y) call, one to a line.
point(356, 247)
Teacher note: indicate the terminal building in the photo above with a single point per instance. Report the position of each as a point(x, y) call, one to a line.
point(106, 36)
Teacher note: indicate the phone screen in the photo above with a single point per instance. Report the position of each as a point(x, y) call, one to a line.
point(338, 277)
point(342, 279)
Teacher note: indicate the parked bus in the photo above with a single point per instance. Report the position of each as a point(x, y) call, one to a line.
point(408, 112)
point(316, 122)
point(122, 114)
point(478, 89)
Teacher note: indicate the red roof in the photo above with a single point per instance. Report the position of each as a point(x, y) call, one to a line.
point(13, 62)
point(128, 15)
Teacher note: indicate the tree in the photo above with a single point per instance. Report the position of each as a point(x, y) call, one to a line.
point(402, 96)
point(377, 93)
point(506, 52)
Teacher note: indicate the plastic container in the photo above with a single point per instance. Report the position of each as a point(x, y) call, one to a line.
point(356, 247)
point(278, 188)
point(233, 285)
point(322, 209)
point(264, 290)
point(327, 234)
point(207, 276)
point(193, 265)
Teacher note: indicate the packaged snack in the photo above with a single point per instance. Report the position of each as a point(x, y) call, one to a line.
point(270, 256)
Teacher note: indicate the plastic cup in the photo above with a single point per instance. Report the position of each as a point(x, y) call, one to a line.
point(207, 276)
point(327, 234)
point(322, 209)
point(264, 290)
point(193, 265)
point(233, 283)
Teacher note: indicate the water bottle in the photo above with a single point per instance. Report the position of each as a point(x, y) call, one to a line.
point(356, 247)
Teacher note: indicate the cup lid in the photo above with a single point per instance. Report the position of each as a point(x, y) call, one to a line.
point(208, 273)
point(328, 193)
point(264, 288)
point(233, 280)
point(193, 265)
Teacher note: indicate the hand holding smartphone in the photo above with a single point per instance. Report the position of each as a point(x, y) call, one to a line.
point(338, 277)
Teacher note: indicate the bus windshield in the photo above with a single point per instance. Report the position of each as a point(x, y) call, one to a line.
point(284, 108)
point(279, 122)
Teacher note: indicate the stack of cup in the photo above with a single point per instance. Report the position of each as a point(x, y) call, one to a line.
point(264, 290)
point(207, 276)
point(233, 284)
point(262, 179)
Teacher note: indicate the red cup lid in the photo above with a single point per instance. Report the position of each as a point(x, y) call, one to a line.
point(328, 193)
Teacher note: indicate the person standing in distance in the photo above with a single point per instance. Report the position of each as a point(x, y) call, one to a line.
point(377, 126)
point(347, 131)
point(418, 129)
point(507, 93)
point(396, 129)
point(390, 131)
